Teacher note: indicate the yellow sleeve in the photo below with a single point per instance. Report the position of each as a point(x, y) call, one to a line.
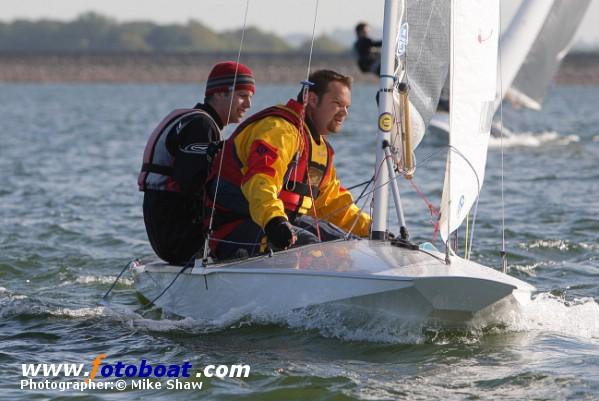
point(265, 149)
point(335, 204)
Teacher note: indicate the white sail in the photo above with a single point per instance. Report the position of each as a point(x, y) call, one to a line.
point(425, 59)
point(544, 58)
point(473, 77)
point(516, 42)
point(416, 52)
point(519, 38)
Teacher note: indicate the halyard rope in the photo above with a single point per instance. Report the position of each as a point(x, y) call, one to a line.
point(220, 164)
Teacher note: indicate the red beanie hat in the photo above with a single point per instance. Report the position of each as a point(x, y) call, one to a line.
point(222, 77)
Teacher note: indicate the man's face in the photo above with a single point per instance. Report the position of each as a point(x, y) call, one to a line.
point(242, 101)
point(329, 112)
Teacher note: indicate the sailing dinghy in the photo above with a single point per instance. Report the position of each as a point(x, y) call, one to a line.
point(379, 276)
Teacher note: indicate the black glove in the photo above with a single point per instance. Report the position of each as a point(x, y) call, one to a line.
point(278, 231)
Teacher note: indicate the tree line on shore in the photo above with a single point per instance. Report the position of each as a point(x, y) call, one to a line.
point(92, 32)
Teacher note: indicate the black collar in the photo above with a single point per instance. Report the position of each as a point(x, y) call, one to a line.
point(208, 109)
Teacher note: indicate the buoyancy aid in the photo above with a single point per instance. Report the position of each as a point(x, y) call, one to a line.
point(157, 168)
point(305, 175)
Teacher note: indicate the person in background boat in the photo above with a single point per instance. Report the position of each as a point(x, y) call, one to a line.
point(367, 50)
point(177, 161)
point(278, 186)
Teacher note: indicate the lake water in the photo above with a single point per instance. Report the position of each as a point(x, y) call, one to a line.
point(70, 219)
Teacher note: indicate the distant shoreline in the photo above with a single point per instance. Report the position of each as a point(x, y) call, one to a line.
point(577, 68)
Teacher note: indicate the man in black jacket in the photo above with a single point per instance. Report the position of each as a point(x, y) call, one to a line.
point(177, 161)
point(366, 49)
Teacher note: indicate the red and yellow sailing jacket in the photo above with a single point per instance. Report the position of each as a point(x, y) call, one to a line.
point(273, 168)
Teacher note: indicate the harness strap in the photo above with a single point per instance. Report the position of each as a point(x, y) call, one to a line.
point(302, 189)
point(157, 168)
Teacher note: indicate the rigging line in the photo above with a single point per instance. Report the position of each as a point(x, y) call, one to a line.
point(362, 195)
point(427, 30)
point(478, 189)
point(405, 75)
point(503, 252)
point(474, 214)
point(448, 249)
point(428, 157)
point(359, 185)
point(372, 180)
point(222, 241)
point(222, 151)
point(305, 89)
point(365, 188)
point(245, 17)
point(187, 265)
point(118, 277)
point(312, 42)
point(313, 200)
point(349, 232)
point(466, 239)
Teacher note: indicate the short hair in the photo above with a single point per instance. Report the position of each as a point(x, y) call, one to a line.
point(320, 80)
point(360, 27)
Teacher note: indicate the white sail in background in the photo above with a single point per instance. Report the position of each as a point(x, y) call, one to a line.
point(518, 39)
point(544, 58)
point(473, 78)
point(516, 42)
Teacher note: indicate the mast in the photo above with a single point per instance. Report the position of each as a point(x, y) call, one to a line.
point(386, 119)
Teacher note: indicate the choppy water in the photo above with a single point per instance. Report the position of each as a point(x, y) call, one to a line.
point(70, 219)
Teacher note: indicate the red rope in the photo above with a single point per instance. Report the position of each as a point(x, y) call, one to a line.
point(305, 92)
point(434, 212)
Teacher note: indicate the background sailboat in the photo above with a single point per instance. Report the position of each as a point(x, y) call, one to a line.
point(532, 48)
point(551, 45)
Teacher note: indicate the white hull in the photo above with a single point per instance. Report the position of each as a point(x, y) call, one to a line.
point(363, 275)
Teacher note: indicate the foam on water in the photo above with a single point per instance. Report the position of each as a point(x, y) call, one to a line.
point(78, 312)
point(103, 280)
point(548, 313)
point(561, 245)
point(160, 322)
point(348, 325)
point(545, 313)
point(532, 139)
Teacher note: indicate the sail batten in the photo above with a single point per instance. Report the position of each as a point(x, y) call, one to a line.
point(473, 77)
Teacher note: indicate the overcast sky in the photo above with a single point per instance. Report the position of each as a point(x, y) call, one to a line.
point(280, 16)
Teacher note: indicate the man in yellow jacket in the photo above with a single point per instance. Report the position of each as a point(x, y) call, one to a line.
point(277, 183)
